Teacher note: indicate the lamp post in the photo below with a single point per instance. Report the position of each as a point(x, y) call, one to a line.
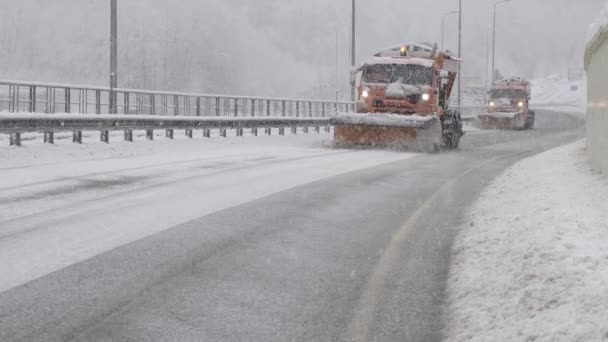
point(443, 28)
point(113, 56)
point(459, 52)
point(353, 46)
point(494, 40)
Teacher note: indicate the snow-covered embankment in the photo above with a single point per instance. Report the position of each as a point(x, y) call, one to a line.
point(531, 263)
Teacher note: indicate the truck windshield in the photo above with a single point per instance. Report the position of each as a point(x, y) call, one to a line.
point(401, 73)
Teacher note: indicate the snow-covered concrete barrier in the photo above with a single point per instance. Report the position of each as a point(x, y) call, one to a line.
point(596, 64)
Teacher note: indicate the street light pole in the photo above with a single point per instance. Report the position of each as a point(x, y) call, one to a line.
point(494, 40)
point(443, 28)
point(459, 52)
point(113, 56)
point(353, 48)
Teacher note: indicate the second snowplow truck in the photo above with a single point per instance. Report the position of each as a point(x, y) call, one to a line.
point(403, 100)
point(508, 106)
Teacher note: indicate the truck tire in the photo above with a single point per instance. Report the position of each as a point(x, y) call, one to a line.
point(531, 120)
point(452, 129)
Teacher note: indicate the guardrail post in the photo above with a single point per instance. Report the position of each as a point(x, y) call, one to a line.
point(198, 106)
point(77, 137)
point(268, 131)
point(217, 106)
point(294, 130)
point(105, 136)
point(236, 108)
point(32, 99)
point(97, 101)
point(267, 107)
point(189, 133)
point(239, 132)
point(317, 129)
point(15, 139)
point(297, 109)
point(323, 109)
point(82, 101)
point(150, 134)
point(283, 108)
point(176, 103)
point(252, 107)
point(152, 104)
point(206, 133)
point(128, 135)
point(68, 100)
point(281, 130)
point(310, 109)
point(49, 138)
point(222, 132)
point(11, 99)
point(126, 102)
point(169, 134)
point(305, 129)
point(254, 131)
point(327, 129)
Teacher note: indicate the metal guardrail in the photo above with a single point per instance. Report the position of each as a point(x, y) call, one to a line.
point(16, 124)
point(18, 96)
point(149, 110)
point(467, 113)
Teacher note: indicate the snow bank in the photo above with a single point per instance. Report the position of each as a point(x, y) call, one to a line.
point(599, 26)
point(531, 263)
point(558, 94)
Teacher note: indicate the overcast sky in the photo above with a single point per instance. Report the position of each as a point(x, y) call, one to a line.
point(275, 47)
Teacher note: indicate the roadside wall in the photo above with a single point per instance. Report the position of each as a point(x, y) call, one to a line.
point(596, 64)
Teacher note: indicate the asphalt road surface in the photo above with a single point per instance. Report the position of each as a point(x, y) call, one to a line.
point(362, 256)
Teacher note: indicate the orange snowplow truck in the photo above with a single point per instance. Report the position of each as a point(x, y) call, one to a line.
point(404, 94)
point(508, 106)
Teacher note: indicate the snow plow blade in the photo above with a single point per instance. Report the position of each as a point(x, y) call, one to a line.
point(501, 121)
point(407, 132)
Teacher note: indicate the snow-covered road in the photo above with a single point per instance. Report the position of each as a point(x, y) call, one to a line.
point(62, 204)
point(265, 238)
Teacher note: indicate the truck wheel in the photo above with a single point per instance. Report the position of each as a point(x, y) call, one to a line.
point(531, 120)
point(451, 141)
point(452, 130)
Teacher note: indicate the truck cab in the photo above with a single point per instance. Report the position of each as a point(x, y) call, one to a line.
point(407, 79)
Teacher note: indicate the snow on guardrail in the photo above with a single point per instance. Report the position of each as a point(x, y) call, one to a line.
point(16, 124)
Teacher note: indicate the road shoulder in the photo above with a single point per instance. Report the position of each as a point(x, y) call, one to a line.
point(530, 263)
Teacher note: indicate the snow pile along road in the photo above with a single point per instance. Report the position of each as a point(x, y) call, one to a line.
point(531, 264)
point(558, 94)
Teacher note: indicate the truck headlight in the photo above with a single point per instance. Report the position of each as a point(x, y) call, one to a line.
point(426, 97)
point(492, 104)
point(520, 104)
point(365, 93)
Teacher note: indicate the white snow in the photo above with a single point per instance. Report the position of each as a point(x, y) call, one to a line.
point(502, 115)
point(386, 120)
point(598, 26)
point(559, 94)
point(531, 263)
point(425, 62)
point(64, 203)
